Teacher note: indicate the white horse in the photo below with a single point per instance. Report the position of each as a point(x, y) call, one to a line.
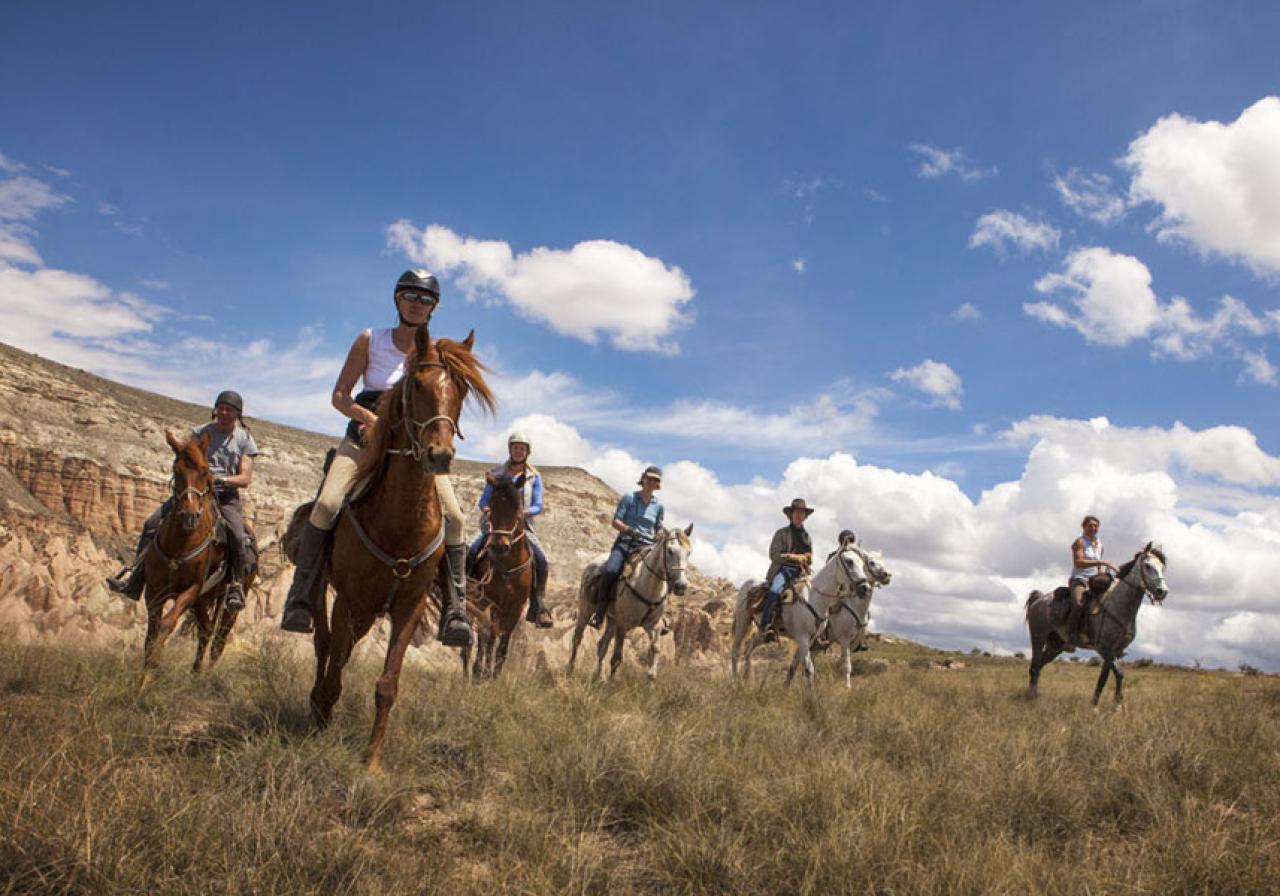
point(640, 599)
point(847, 624)
point(803, 619)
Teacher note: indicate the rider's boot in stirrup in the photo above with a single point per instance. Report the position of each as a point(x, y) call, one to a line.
point(538, 613)
point(767, 633)
point(455, 630)
point(1073, 625)
point(129, 581)
point(603, 587)
point(306, 591)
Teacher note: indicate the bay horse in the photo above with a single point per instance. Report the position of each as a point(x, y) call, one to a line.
point(640, 598)
point(185, 561)
point(508, 581)
point(1108, 630)
point(389, 539)
point(847, 624)
point(840, 577)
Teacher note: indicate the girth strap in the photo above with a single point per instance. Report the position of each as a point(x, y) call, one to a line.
point(401, 567)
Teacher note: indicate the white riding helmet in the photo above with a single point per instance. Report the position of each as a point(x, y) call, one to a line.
point(519, 438)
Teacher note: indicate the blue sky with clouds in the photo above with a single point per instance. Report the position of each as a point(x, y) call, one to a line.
point(896, 258)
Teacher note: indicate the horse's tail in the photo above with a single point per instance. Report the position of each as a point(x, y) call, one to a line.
point(1031, 599)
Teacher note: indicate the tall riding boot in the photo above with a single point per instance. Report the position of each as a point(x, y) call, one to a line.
point(538, 613)
point(1073, 623)
point(455, 629)
point(604, 585)
point(306, 591)
point(771, 601)
point(132, 579)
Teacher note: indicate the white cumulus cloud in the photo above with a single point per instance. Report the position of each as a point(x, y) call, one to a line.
point(935, 379)
point(1217, 184)
point(594, 288)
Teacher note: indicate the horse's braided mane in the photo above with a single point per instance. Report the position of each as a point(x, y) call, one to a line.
point(465, 369)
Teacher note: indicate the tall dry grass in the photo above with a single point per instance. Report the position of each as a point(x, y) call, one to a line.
point(915, 782)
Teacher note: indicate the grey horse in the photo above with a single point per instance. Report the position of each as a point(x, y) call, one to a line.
point(1108, 630)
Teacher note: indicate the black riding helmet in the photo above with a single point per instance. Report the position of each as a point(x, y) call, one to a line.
point(418, 279)
point(228, 397)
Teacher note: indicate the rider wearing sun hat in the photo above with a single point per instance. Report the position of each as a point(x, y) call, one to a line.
point(377, 358)
point(230, 455)
point(516, 465)
point(637, 521)
point(790, 554)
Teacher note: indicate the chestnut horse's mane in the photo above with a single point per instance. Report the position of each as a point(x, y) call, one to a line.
point(464, 368)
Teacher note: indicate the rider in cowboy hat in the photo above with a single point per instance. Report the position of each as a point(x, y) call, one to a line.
point(790, 553)
point(517, 464)
point(637, 521)
point(231, 453)
point(377, 357)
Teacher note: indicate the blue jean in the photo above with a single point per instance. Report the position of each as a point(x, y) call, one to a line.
point(781, 579)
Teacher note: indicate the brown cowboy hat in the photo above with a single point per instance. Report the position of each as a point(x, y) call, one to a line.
point(797, 504)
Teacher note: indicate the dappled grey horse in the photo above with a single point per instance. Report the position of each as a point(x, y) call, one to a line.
point(847, 623)
point(1107, 631)
point(640, 598)
point(802, 619)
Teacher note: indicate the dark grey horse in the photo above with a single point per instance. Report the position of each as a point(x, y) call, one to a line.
point(1107, 631)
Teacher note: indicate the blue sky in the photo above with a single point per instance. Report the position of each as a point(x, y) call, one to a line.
point(733, 238)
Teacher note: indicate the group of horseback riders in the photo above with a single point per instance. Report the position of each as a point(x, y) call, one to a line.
point(376, 361)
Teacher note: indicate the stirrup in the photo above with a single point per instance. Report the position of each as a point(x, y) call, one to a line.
point(233, 598)
point(454, 635)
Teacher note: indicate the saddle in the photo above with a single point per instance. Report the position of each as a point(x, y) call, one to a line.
point(1099, 585)
point(629, 565)
point(756, 596)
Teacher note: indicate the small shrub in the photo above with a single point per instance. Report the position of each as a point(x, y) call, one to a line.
point(1250, 670)
point(1142, 663)
point(1095, 661)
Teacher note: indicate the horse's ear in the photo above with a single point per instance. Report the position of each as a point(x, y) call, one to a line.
point(688, 530)
point(173, 443)
point(422, 341)
point(203, 443)
point(489, 480)
point(469, 341)
point(1147, 548)
point(520, 481)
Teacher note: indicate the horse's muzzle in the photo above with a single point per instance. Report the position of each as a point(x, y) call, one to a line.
point(437, 459)
point(1159, 596)
point(679, 588)
point(189, 520)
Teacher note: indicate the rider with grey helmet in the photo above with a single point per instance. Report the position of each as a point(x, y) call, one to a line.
point(516, 465)
point(230, 455)
point(377, 358)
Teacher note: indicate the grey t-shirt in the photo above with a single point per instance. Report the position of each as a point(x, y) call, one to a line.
point(226, 448)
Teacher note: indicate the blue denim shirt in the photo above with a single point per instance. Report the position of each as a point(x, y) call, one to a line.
point(644, 518)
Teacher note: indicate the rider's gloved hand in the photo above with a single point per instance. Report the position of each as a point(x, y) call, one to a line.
point(219, 482)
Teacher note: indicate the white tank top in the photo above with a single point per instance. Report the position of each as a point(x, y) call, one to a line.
point(386, 362)
point(1092, 550)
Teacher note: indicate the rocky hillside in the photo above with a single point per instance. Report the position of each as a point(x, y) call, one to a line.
point(83, 461)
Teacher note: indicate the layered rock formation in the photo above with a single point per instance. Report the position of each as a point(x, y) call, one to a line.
point(83, 461)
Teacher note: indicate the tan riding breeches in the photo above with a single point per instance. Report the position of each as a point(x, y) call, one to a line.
point(338, 480)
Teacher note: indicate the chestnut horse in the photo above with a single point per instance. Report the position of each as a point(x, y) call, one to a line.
point(184, 562)
point(508, 581)
point(389, 540)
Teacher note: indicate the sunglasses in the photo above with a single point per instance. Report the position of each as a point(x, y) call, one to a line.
point(418, 298)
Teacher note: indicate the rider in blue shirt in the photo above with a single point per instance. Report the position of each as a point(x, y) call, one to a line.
point(517, 465)
point(637, 521)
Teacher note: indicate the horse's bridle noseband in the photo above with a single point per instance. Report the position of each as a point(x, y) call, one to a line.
point(414, 429)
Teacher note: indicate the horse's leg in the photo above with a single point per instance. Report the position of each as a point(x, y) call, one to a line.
point(504, 641)
point(846, 662)
point(1102, 678)
point(1115, 670)
point(204, 626)
point(321, 639)
point(752, 644)
point(404, 620)
point(652, 632)
point(347, 630)
point(615, 660)
point(602, 645)
point(221, 631)
point(739, 632)
point(166, 623)
point(577, 639)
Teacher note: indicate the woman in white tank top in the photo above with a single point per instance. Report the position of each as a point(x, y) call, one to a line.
point(1086, 561)
point(376, 359)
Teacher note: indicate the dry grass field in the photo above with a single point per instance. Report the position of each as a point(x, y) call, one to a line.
point(916, 781)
